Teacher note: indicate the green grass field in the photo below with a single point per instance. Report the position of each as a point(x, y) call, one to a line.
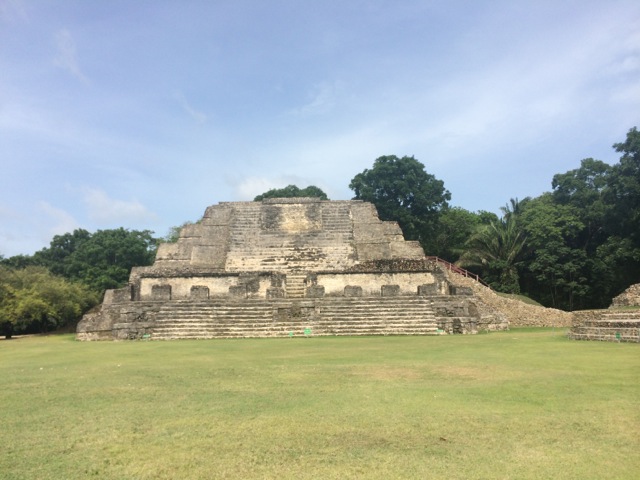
point(522, 404)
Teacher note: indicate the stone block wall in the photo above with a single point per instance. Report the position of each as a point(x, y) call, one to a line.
point(516, 312)
point(629, 298)
point(606, 325)
point(371, 283)
point(123, 321)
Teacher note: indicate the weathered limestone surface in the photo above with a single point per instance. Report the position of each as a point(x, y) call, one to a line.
point(513, 312)
point(629, 298)
point(285, 267)
point(606, 325)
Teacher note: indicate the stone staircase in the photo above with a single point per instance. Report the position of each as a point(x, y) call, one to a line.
point(327, 245)
point(375, 316)
point(607, 326)
point(295, 285)
point(282, 318)
point(192, 320)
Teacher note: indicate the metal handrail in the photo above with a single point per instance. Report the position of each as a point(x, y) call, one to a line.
point(459, 270)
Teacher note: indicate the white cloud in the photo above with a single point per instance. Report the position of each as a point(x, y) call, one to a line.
point(628, 64)
point(323, 98)
point(196, 115)
point(66, 56)
point(105, 210)
point(32, 227)
point(60, 220)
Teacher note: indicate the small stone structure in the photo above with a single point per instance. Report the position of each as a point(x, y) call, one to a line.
point(629, 298)
point(620, 323)
point(288, 267)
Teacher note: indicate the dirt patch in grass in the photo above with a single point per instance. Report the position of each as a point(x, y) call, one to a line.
point(466, 372)
point(389, 373)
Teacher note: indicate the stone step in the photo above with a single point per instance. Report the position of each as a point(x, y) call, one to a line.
point(612, 323)
point(281, 329)
point(604, 337)
point(257, 331)
point(239, 321)
point(621, 316)
point(267, 325)
point(215, 326)
point(284, 335)
point(385, 314)
point(380, 302)
point(225, 325)
point(386, 317)
point(328, 316)
point(250, 252)
point(327, 303)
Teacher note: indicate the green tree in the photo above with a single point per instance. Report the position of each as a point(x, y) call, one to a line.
point(455, 226)
point(559, 267)
point(498, 247)
point(624, 189)
point(292, 191)
point(60, 249)
point(100, 260)
point(19, 261)
point(585, 189)
point(403, 191)
point(174, 232)
point(105, 261)
point(616, 265)
point(623, 219)
point(32, 299)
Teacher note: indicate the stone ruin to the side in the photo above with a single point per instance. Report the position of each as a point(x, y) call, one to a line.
point(288, 267)
point(619, 323)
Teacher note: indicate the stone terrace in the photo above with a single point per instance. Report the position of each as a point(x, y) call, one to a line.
point(620, 323)
point(606, 325)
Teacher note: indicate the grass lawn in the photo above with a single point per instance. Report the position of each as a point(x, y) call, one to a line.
point(522, 404)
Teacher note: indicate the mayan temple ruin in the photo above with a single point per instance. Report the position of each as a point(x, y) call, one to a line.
point(288, 267)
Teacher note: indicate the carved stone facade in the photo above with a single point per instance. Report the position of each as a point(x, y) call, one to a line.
point(283, 267)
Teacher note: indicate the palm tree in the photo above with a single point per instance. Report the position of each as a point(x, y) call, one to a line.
point(498, 246)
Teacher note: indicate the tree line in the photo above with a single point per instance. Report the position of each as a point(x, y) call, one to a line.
point(53, 287)
point(573, 247)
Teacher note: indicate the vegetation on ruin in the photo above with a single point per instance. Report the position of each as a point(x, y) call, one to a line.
point(293, 191)
point(521, 404)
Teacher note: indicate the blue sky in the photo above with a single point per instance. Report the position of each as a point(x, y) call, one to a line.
point(142, 113)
